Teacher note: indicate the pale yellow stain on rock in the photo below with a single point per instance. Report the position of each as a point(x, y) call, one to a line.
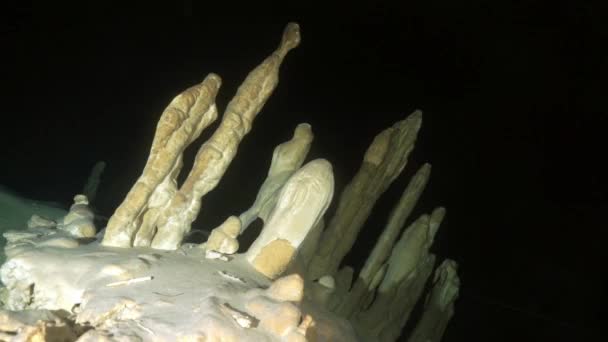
point(271, 259)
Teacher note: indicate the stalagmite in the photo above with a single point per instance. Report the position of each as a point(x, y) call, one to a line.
point(38, 221)
point(408, 251)
point(409, 266)
point(300, 205)
point(363, 286)
point(383, 162)
point(92, 184)
point(286, 159)
point(223, 239)
point(397, 219)
point(439, 305)
point(158, 200)
point(403, 301)
point(368, 296)
point(181, 123)
point(79, 221)
point(215, 155)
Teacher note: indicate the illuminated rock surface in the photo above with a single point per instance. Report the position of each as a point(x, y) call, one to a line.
point(140, 281)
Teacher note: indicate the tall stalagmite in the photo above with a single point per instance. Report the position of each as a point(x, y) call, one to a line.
point(383, 162)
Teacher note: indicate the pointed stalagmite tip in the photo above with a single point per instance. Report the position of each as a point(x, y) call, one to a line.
point(412, 121)
point(417, 117)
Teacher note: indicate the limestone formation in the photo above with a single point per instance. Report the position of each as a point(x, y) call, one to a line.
point(322, 290)
point(143, 294)
point(383, 162)
point(276, 318)
point(92, 184)
point(79, 221)
point(223, 239)
point(407, 270)
point(373, 267)
point(62, 282)
point(37, 221)
point(439, 305)
point(398, 303)
point(289, 288)
point(158, 213)
point(343, 280)
point(180, 124)
point(300, 205)
point(286, 159)
point(16, 210)
point(215, 155)
point(311, 243)
point(36, 325)
point(396, 221)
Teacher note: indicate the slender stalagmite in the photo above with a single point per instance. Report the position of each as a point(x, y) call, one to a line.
point(215, 155)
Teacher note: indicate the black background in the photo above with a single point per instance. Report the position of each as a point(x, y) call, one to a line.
point(514, 124)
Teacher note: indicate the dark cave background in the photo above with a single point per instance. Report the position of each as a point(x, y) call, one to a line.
point(514, 126)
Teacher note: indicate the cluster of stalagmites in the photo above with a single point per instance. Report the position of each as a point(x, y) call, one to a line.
point(140, 281)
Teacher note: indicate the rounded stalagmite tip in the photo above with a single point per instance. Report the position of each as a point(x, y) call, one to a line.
point(213, 81)
point(291, 38)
